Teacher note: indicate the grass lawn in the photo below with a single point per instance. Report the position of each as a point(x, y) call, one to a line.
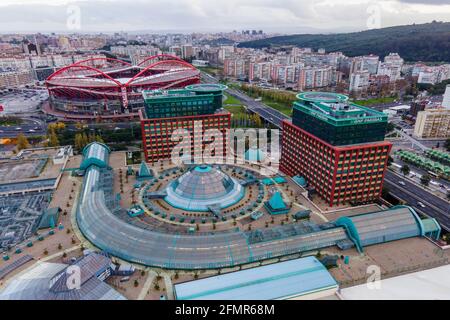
point(231, 100)
point(211, 70)
point(283, 108)
point(373, 101)
point(236, 110)
point(10, 121)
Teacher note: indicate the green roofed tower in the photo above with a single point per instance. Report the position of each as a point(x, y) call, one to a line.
point(332, 118)
point(337, 146)
point(193, 100)
point(196, 107)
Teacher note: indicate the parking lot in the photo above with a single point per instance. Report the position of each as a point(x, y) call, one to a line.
point(20, 101)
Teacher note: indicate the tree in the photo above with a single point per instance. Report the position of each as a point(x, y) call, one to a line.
point(425, 180)
point(390, 160)
point(447, 144)
point(390, 127)
point(405, 169)
point(22, 142)
point(52, 138)
point(79, 141)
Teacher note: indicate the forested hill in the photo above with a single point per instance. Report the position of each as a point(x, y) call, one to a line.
point(419, 42)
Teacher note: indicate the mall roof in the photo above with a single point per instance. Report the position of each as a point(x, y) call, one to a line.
point(275, 281)
point(399, 222)
point(47, 281)
point(95, 153)
point(432, 284)
point(128, 240)
point(202, 187)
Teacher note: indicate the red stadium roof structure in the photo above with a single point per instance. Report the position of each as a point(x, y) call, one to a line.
point(109, 86)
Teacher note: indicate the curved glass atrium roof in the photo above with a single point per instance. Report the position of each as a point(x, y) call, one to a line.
point(202, 187)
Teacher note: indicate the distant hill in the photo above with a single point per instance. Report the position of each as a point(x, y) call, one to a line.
point(418, 42)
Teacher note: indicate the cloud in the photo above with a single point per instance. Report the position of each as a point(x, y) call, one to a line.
point(290, 16)
point(427, 2)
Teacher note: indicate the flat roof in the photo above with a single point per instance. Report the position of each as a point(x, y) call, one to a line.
point(401, 107)
point(275, 281)
point(432, 284)
point(335, 109)
point(207, 87)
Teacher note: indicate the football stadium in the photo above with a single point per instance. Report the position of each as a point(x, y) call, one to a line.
point(111, 87)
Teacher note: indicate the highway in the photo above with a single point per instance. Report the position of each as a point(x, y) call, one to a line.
point(435, 207)
point(269, 114)
point(29, 127)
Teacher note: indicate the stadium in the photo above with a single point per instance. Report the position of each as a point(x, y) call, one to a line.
point(111, 87)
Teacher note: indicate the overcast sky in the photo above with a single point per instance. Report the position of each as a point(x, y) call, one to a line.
point(284, 16)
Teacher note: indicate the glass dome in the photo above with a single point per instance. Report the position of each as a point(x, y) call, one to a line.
point(203, 187)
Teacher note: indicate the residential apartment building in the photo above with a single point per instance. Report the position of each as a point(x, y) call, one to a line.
point(433, 123)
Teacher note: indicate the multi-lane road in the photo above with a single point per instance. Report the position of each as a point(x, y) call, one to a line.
point(435, 207)
point(29, 127)
point(269, 114)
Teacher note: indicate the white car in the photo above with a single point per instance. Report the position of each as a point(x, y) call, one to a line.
point(420, 204)
point(401, 183)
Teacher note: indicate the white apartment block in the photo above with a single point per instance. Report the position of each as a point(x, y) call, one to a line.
point(17, 78)
point(433, 123)
point(359, 81)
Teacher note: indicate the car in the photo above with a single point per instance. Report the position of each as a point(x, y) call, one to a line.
point(401, 183)
point(31, 130)
point(420, 204)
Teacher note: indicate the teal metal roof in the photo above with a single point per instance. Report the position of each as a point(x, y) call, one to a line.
point(276, 201)
point(398, 222)
point(144, 171)
point(95, 153)
point(300, 180)
point(275, 281)
point(254, 154)
point(49, 218)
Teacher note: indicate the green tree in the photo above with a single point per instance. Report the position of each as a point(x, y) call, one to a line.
point(447, 144)
point(99, 138)
point(405, 169)
point(84, 139)
point(22, 142)
point(390, 160)
point(425, 180)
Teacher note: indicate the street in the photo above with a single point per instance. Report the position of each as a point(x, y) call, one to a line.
point(435, 207)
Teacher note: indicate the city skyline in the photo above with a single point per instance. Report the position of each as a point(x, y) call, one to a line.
point(286, 16)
